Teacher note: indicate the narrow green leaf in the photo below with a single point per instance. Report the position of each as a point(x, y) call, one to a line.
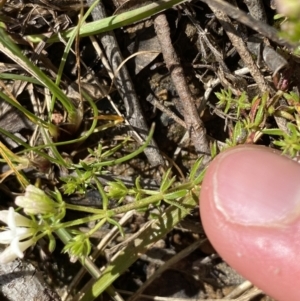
point(165, 182)
point(155, 231)
point(276, 132)
point(113, 22)
point(175, 195)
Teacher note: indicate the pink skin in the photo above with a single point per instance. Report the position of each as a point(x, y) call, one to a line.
point(288, 7)
point(250, 209)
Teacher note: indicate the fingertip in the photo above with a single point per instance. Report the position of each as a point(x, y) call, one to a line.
point(250, 210)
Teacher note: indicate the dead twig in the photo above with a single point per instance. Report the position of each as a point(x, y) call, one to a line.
point(239, 290)
point(223, 72)
point(237, 14)
point(179, 256)
point(239, 44)
point(168, 112)
point(191, 116)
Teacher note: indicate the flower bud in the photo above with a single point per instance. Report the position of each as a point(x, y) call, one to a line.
point(36, 201)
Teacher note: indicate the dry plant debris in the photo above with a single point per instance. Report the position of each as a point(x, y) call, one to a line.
point(74, 118)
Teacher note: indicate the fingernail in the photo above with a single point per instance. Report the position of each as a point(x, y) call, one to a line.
point(256, 186)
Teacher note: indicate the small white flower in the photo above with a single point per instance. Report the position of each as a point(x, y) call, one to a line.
point(11, 218)
point(18, 228)
point(15, 250)
point(35, 201)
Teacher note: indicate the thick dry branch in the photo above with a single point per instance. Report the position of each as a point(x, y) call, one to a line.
point(191, 116)
point(257, 9)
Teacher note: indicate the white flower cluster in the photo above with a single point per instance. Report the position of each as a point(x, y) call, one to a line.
point(21, 231)
point(18, 235)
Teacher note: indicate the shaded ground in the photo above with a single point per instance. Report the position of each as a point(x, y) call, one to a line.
point(210, 62)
